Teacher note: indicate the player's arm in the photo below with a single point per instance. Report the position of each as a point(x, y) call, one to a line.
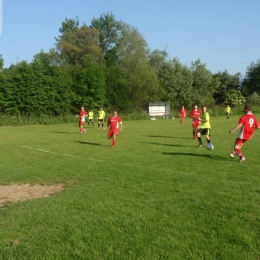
point(108, 125)
point(233, 130)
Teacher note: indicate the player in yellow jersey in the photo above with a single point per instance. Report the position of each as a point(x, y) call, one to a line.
point(204, 127)
point(91, 117)
point(227, 111)
point(101, 117)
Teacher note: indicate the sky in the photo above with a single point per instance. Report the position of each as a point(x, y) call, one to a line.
point(223, 34)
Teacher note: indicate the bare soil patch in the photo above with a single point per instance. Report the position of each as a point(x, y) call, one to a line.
point(20, 192)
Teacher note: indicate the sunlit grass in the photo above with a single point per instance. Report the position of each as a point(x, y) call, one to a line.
point(154, 196)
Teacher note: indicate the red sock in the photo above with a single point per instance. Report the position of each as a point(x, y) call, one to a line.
point(239, 153)
point(113, 142)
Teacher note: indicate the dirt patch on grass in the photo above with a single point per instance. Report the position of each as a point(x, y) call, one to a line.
point(20, 192)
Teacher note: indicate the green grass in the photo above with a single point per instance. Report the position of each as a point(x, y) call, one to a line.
point(154, 196)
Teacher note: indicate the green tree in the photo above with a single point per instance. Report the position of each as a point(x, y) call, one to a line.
point(1, 62)
point(203, 84)
point(140, 84)
point(251, 82)
point(88, 85)
point(234, 97)
point(254, 99)
point(76, 45)
point(226, 83)
point(109, 34)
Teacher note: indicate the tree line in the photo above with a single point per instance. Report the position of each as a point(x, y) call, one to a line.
point(109, 64)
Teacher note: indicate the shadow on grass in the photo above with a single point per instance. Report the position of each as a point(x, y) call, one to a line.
point(173, 145)
point(200, 155)
point(166, 136)
point(65, 132)
point(80, 142)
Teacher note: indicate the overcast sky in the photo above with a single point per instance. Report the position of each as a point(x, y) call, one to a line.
point(223, 34)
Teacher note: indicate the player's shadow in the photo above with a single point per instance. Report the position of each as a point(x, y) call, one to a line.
point(166, 136)
point(172, 145)
point(212, 156)
point(65, 132)
point(89, 143)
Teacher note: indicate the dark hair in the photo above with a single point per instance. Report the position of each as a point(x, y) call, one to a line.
point(248, 107)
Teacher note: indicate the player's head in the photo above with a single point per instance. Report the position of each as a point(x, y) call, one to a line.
point(100, 108)
point(82, 108)
point(204, 108)
point(115, 113)
point(195, 107)
point(247, 108)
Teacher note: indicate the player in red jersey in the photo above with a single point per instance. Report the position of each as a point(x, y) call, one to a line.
point(82, 116)
point(195, 115)
point(115, 123)
point(247, 123)
point(182, 115)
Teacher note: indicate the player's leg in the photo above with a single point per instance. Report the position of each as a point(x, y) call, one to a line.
point(238, 145)
point(115, 132)
point(193, 131)
point(199, 133)
point(207, 134)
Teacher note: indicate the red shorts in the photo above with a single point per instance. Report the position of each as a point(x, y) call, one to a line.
point(196, 124)
point(112, 132)
point(81, 123)
point(240, 141)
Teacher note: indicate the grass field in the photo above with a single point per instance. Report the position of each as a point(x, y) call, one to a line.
point(155, 195)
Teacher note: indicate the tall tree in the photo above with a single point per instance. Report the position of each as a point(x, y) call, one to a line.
point(76, 45)
point(251, 82)
point(141, 84)
point(203, 84)
point(1, 62)
point(109, 34)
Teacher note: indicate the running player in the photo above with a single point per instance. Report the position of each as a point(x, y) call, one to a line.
point(247, 124)
point(82, 115)
point(115, 123)
point(182, 115)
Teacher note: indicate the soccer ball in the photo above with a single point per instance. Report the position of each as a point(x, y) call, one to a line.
point(210, 146)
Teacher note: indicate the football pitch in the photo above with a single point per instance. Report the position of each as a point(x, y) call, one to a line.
point(155, 195)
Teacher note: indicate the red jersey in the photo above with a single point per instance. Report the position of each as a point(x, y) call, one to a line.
point(183, 113)
point(196, 114)
point(82, 115)
point(114, 121)
point(249, 122)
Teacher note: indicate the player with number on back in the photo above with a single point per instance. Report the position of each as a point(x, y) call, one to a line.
point(247, 124)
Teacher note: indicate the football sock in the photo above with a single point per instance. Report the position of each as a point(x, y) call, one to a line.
point(199, 138)
point(239, 153)
point(113, 142)
point(208, 141)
